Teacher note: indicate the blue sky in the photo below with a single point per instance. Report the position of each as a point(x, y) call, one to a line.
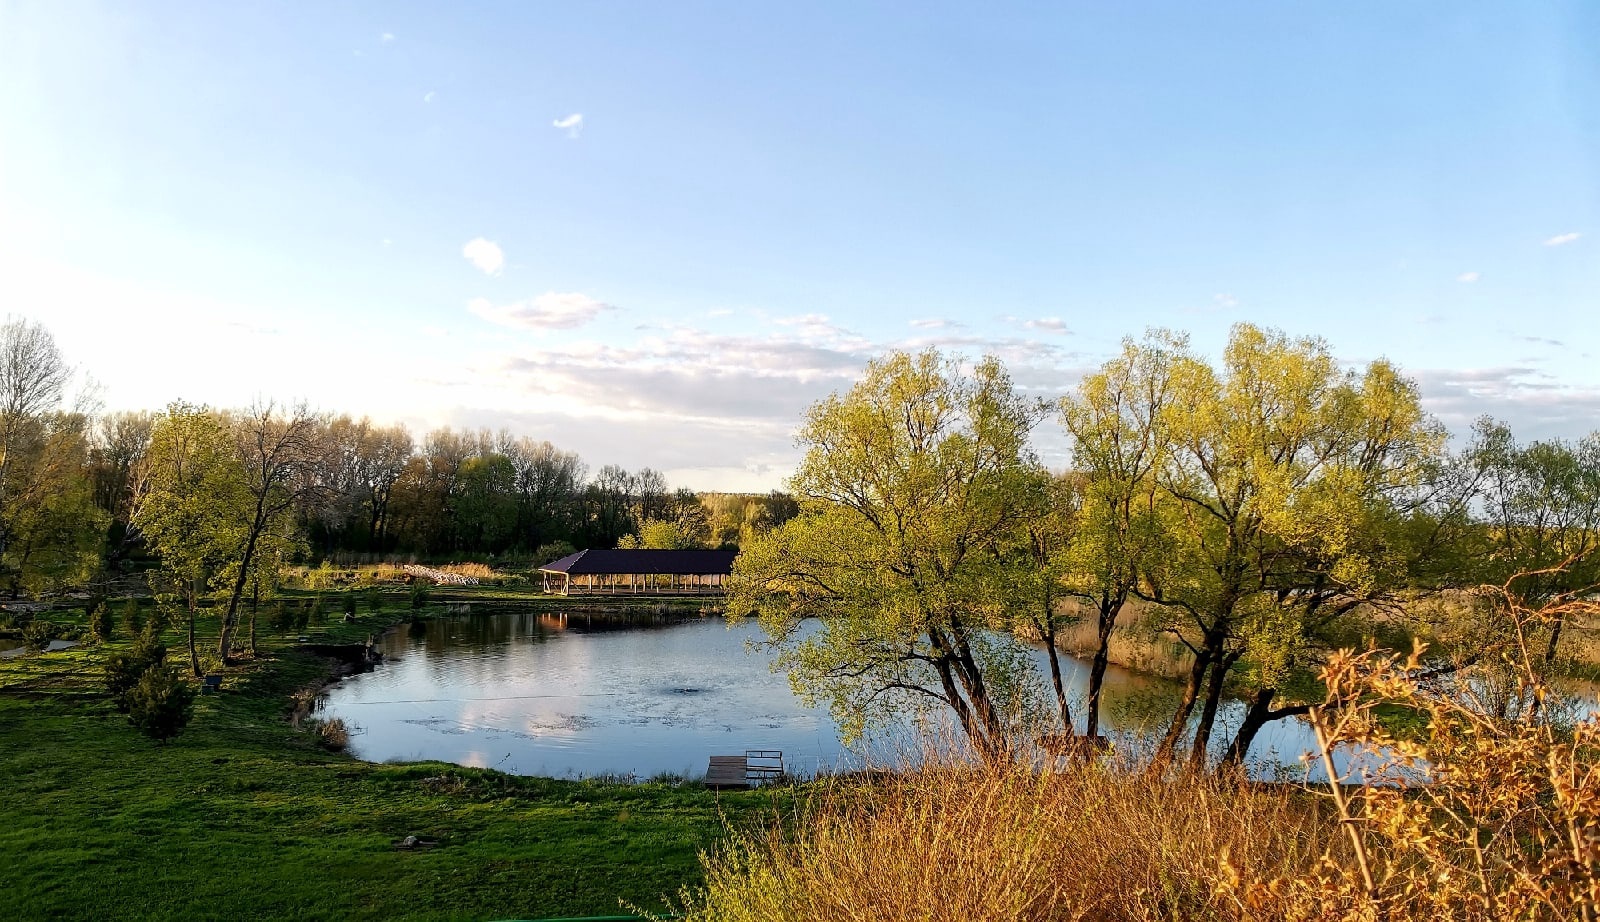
point(687, 221)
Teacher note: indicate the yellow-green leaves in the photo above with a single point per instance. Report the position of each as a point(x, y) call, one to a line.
point(911, 483)
point(194, 511)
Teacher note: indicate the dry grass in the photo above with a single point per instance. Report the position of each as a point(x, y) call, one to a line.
point(477, 570)
point(1136, 642)
point(1009, 842)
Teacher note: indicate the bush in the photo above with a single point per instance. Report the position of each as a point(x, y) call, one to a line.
point(132, 620)
point(331, 734)
point(375, 598)
point(124, 670)
point(161, 704)
point(310, 612)
point(100, 622)
point(282, 618)
point(349, 602)
point(419, 593)
point(38, 634)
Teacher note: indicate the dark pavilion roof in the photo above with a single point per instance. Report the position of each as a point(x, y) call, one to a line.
point(663, 563)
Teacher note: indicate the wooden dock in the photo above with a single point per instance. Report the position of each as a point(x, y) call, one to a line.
point(754, 767)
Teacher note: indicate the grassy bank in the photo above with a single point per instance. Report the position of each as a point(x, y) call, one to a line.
point(244, 816)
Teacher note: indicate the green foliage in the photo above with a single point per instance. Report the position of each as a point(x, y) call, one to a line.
point(192, 513)
point(375, 599)
point(348, 600)
point(656, 534)
point(907, 482)
point(282, 618)
point(38, 634)
point(132, 618)
point(549, 553)
point(100, 622)
point(53, 531)
point(419, 593)
point(124, 670)
point(160, 704)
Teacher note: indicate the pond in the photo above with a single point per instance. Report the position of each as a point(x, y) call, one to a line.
point(587, 694)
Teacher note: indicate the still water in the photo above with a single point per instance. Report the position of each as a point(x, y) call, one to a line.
point(594, 694)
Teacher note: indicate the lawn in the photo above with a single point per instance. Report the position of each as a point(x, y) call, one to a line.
point(244, 816)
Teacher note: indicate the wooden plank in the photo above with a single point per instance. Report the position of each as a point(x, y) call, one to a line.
point(727, 772)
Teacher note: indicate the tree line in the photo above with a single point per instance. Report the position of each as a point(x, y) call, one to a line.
point(1262, 512)
point(219, 496)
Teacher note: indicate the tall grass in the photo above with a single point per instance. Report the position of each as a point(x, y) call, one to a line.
point(1013, 842)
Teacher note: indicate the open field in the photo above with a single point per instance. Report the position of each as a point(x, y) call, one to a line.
point(245, 816)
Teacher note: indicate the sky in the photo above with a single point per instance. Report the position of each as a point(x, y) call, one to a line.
point(654, 233)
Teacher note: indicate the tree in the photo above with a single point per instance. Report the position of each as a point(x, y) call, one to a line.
point(55, 533)
point(1279, 486)
point(124, 670)
point(33, 380)
point(655, 534)
point(1541, 509)
point(278, 453)
point(116, 468)
point(907, 483)
point(1115, 422)
point(50, 532)
point(194, 508)
point(161, 704)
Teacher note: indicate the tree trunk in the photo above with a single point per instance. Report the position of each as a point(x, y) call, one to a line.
point(1097, 668)
point(1180, 720)
point(255, 605)
point(230, 618)
point(194, 654)
point(1208, 713)
point(1254, 719)
point(966, 694)
point(1055, 678)
point(1555, 638)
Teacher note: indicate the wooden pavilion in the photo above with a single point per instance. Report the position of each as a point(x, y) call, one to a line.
point(639, 572)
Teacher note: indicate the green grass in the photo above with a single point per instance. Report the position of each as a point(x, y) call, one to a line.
point(243, 816)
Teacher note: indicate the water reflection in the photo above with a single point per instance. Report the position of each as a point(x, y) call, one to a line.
point(589, 693)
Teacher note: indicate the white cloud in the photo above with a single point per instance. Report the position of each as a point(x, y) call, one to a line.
point(572, 124)
point(428, 96)
point(386, 37)
point(553, 310)
point(821, 328)
point(1535, 404)
point(1560, 239)
point(1225, 300)
point(1048, 325)
point(1468, 277)
point(485, 254)
point(936, 323)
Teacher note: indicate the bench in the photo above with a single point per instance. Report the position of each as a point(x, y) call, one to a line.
point(211, 683)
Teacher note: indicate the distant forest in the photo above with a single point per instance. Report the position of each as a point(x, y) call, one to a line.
point(379, 490)
point(82, 490)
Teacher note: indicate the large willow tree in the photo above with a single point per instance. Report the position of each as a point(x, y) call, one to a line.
point(909, 484)
point(1285, 483)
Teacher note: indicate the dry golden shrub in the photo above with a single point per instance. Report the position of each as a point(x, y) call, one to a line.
point(1014, 842)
